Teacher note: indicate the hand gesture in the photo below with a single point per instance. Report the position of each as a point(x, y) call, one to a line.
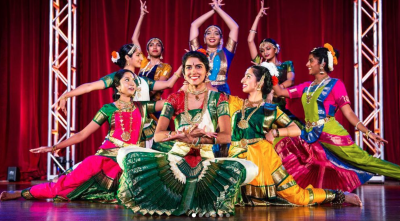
point(262, 12)
point(270, 137)
point(198, 132)
point(42, 149)
point(255, 63)
point(63, 104)
point(143, 8)
point(216, 4)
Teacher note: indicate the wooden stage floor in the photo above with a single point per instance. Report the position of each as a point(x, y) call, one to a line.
point(380, 202)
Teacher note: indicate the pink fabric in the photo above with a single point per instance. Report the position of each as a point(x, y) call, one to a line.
point(308, 164)
point(337, 97)
point(66, 184)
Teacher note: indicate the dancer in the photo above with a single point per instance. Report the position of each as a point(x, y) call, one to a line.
point(151, 67)
point(220, 57)
point(269, 51)
point(323, 140)
point(255, 124)
point(97, 177)
point(187, 179)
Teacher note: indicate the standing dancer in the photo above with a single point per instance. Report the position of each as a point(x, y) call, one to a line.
point(220, 57)
point(269, 51)
point(255, 125)
point(187, 179)
point(324, 140)
point(96, 178)
point(151, 67)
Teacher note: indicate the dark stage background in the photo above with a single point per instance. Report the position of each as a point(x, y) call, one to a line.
point(105, 25)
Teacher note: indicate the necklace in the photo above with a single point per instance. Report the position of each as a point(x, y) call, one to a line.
point(309, 96)
point(144, 70)
point(197, 93)
point(251, 103)
point(126, 136)
point(186, 114)
point(244, 123)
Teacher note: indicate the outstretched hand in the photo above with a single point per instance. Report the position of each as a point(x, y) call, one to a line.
point(378, 140)
point(255, 63)
point(42, 149)
point(201, 132)
point(143, 8)
point(262, 11)
point(63, 104)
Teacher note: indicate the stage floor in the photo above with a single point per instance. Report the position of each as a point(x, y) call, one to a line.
point(380, 202)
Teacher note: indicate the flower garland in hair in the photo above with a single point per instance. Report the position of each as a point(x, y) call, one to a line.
point(115, 57)
point(332, 59)
point(202, 50)
point(273, 71)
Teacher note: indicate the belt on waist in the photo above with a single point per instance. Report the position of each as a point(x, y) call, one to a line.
point(244, 142)
point(320, 122)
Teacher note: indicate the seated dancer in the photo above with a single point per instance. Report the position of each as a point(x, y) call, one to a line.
point(187, 179)
point(326, 156)
point(219, 57)
point(129, 57)
point(269, 51)
point(96, 178)
point(254, 127)
point(151, 67)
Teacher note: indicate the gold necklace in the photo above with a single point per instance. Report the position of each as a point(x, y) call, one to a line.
point(126, 136)
point(197, 93)
point(186, 114)
point(244, 123)
point(251, 103)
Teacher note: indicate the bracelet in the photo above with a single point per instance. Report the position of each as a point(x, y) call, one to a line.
point(339, 198)
point(215, 140)
point(277, 133)
point(251, 30)
point(368, 133)
point(53, 148)
point(177, 75)
point(357, 124)
point(283, 86)
point(169, 134)
point(198, 141)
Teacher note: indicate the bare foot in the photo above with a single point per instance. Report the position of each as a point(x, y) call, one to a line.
point(352, 199)
point(10, 195)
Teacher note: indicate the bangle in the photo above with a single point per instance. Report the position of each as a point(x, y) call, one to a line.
point(177, 75)
point(198, 141)
point(283, 86)
point(53, 148)
point(368, 133)
point(251, 30)
point(169, 134)
point(277, 133)
point(215, 140)
point(359, 122)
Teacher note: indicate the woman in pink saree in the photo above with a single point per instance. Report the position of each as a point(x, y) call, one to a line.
point(97, 177)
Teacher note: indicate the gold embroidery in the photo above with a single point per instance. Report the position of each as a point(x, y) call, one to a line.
point(59, 199)
point(113, 152)
point(279, 175)
point(100, 117)
point(163, 70)
point(283, 120)
point(311, 192)
point(261, 192)
point(26, 193)
point(330, 196)
point(244, 142)
point(108, 81)
point(287, 185)
point(231, 45)
point(268, 122)
point(223, 109)
point(167, 111)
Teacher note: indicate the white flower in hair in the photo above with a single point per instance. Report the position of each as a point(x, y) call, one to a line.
point(278, 48)
point(114, 56)
point(273, 70)
point(330, 61)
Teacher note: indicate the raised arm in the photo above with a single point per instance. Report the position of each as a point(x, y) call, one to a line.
point(253, 31)
point(232, 25)
point(194, 27)
point(82, 89)
point(279, 91)
point(136, 33)
point(77, 138)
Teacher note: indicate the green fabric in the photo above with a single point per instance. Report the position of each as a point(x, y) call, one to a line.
point(105, 114)
point(311, 109)
point(149, 186)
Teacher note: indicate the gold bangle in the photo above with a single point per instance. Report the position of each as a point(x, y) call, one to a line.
point(357, 124)
point(368, 133)
point(177, 75)
point(53, 149)
point(251, 30)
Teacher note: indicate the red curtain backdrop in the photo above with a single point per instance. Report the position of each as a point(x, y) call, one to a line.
point(105, 25)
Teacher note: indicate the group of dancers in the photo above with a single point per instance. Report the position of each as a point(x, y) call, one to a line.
point(272, 158)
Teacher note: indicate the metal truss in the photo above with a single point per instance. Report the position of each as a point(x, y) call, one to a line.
point(62, 78)
point(368, 92)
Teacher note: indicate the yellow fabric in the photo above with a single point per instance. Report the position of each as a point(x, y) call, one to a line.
point(264, 156)
point(163, 69)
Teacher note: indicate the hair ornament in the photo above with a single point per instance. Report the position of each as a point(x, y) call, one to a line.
point(333, 53)
point(133, 49)
point(115, 57)
point(202, 50)
point(273, 70)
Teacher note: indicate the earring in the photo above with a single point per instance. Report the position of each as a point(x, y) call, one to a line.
point(119, 92)
point(161, 57)
point(127, 63)
point(321, 70)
